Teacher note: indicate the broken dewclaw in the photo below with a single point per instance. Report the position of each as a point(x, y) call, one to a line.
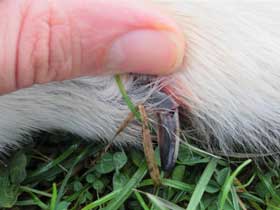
point(168, 129)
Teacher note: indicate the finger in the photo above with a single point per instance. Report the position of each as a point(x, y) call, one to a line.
point(43, 41)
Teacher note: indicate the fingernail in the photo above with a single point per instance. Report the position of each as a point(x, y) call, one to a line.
point(146, 52)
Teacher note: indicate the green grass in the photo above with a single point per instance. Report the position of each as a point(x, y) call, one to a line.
point(63, 172)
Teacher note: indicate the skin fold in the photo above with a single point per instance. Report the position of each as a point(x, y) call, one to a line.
point(228, 85)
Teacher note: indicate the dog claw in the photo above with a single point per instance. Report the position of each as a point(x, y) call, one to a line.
point(168, 130)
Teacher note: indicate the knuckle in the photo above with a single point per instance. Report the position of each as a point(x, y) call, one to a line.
point(42, 45)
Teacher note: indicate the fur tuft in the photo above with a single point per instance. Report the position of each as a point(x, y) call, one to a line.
point(232, 73)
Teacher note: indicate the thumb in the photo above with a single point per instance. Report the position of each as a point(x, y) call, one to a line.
point(43, 41)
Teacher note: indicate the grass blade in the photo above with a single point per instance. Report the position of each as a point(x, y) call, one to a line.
point(177, 185)
point(228, 183)
point(128, 188)
point(38, 192)
point(202, 184)
point(54, 197)
point(55, 162)
point(38, 202)
point(250, 197)
point(162, 204)
point(235, 199)
point(68, 175)
point(102, 200)
point(269, 186)
point(126, 97)
point(141, 200)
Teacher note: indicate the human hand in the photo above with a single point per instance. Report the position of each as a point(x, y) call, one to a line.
point(43, 41)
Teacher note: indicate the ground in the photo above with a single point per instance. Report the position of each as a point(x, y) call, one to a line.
point(61, 171)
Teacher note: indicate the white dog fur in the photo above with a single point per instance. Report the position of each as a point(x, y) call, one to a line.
point(231, 79)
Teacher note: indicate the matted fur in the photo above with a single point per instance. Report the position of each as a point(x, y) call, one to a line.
point(231, 84)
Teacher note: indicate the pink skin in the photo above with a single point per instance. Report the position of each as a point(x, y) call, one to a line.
point(43, 41)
